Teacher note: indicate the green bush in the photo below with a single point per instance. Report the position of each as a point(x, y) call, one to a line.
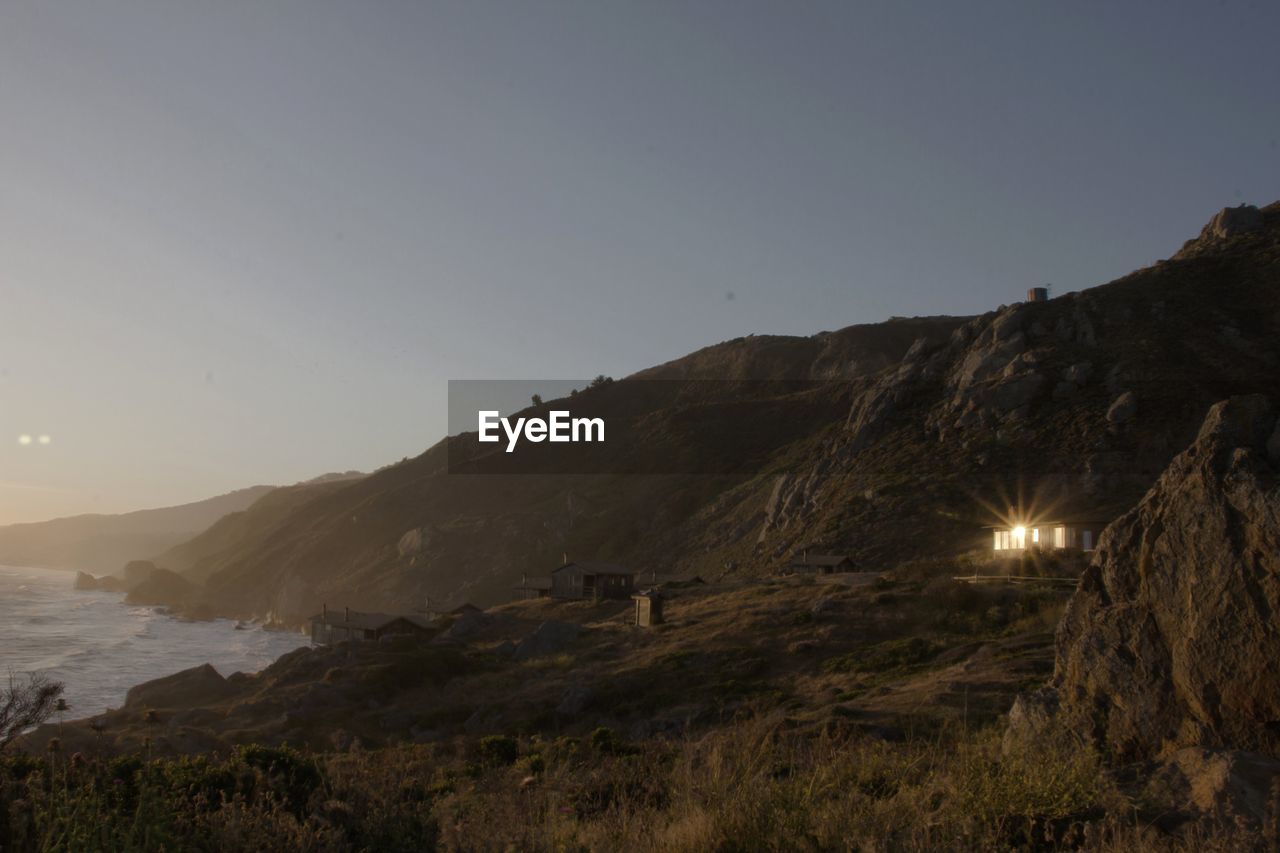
point(499, 750)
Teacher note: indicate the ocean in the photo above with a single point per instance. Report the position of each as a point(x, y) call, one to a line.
point(99, 647)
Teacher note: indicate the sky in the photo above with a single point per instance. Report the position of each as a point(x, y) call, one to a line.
point(250, 242)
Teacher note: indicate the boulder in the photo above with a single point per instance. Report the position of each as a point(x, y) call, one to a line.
point(1078, 373)
point(1123, 409)
point(470, 623)
point(413, 542)
point(574, 701)
point(548, 639)
point(198, 685)
point(1016, 391)
point(825, 604)
point(1219, 789)
point(1171, 638)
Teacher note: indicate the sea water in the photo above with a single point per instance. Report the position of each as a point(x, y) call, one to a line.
point(99, 647)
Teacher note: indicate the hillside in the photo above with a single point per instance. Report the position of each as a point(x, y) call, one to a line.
point(243, 527)
point(886, 441)
point(414, 529)
point(104, 543)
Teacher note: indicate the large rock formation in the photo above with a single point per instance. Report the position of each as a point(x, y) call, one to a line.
point(163, 587)
point(1172, 638)
point(199, 684)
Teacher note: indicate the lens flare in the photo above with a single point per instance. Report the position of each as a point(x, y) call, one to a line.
point(24, 439)
point(44, 439)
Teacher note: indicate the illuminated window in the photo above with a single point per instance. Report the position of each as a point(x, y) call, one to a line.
point(1035, 534)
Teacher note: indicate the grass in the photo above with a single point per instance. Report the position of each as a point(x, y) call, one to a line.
point(757, 784)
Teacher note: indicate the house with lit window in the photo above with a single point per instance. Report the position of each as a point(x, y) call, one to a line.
point(1046, 535)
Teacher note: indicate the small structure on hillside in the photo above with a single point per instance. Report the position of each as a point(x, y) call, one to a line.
point(648, 608)
point(531, 588)
point(329, 627)
point(820, 564)
point(1038, 294)
point(593, 580)
point(1045, 535)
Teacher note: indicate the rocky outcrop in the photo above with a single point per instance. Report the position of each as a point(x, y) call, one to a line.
point(1223, 790)
point(1171, 639)
point(1231, 221)
point(193, 686)
point(137, 571)
point(86, 582)
point(1123, 409)
point(1226, 224)
point(163, 587)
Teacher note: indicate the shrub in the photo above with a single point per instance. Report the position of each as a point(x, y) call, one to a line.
point(499, 750)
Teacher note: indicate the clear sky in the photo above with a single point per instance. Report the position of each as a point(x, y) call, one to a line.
point(249, 242)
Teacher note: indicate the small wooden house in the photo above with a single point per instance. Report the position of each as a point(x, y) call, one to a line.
point(648, 608)
point(1046, 535)
point(531, 588)
point(821, 564)
point(329, 627)
point(592, 579)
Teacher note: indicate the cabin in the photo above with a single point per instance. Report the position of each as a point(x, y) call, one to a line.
point(531, 588)
point(329, 626)
point(592, 580)
point(820, 564)
point(1046, 535)
point(648, 608)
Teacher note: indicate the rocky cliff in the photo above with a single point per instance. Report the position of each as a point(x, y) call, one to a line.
point(1172, 637)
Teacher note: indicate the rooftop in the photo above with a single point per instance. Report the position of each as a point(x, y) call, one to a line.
point(596, 567)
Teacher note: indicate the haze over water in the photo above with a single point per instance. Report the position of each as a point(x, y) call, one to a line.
point(100, 647)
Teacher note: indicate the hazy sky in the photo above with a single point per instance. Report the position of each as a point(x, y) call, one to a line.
point(248, 242)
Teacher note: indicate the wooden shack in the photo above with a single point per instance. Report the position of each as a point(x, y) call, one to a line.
point(593, 580)
point(821, 564)
point(648, 608)
point(330, 626)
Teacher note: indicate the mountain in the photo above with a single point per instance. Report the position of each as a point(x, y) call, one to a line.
point(888, 442)
point(224, 540)
point(414, 529)
point(104, 543)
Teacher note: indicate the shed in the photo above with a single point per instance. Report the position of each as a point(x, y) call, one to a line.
point(821, 564)
point(648, 608)
point(592, 579)
point(329, 627)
